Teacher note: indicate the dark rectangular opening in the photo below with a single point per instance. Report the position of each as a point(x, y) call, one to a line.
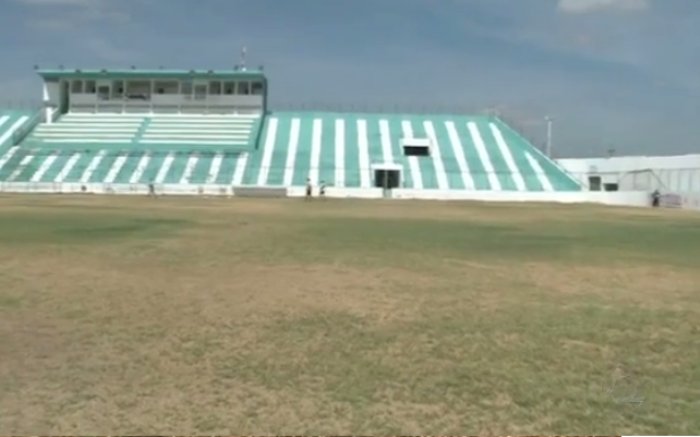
point(594, 183)
point(387, 179)
point(416, 151)
point(610, 187)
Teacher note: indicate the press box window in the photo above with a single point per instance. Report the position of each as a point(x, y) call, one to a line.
point(243, 88)
point(257, 88)
point(186, 88)
point(214, 88)
point(416, 146)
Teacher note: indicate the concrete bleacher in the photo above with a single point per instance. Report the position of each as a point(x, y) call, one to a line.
point(133, 149)
point(467, 153)
point(341, 149)
point(228, 130)
point(89, 129)
point(141, 132)
point(10, 123)
point(45, 165)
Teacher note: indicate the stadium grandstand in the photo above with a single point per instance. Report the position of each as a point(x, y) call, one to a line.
point(210, 131)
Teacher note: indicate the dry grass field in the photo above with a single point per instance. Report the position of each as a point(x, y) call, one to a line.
point(218, 316)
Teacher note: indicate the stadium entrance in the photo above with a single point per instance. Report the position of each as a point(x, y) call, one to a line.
point(387, 177)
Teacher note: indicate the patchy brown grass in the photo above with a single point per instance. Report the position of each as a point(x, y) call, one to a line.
point(220, 316)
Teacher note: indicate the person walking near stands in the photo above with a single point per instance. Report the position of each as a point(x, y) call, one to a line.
point(309, 189)
point(656, 198)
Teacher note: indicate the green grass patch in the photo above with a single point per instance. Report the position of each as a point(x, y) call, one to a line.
point(585, 242)
point(70, 228)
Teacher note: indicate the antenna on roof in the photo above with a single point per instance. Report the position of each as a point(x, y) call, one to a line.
point(242, 59)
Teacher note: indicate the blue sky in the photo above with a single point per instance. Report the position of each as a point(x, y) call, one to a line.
point(613, 73)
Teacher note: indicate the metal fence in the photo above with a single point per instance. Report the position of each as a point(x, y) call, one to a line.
point(677, 180)
point(682, 180)
point(377, 107)
point(366, 107)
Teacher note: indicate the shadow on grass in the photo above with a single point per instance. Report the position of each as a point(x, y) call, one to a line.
point(82, 228)
point(361, 240)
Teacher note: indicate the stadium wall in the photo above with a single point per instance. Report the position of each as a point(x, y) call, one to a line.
point(678, 174)
point(676, 177)
point(637, 198)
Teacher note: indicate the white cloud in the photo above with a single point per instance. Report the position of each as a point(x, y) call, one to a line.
point(87, 3)
point(107, 51)
point(72, 13)
point(55, 2)
point(585, 6)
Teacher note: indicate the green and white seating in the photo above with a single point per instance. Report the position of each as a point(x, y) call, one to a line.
point(466, 153)
point(11, 122)
point(90, 128)
point(181, 129)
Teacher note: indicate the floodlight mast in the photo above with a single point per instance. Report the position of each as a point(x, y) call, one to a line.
point(549, 121)
point(242, 59)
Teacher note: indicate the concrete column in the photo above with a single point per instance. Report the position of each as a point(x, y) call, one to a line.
point(46, 100)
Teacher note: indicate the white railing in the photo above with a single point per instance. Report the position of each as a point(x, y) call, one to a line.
point(146, 107)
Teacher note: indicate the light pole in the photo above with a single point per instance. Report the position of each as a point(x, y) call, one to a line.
point(549, 121)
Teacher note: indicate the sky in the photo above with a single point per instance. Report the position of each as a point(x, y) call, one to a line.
point(613, 74)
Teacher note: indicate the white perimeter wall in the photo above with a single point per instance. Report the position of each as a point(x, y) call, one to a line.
point(679, 174)
point(620, 198)
point(640, 198)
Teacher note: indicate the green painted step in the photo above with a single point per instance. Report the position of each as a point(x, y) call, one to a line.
point(476, 166)
point(152, 169)
point(176, 170)
point(453, 171)
point(226, 169)
point(301, 169)
point(327, 159)
point(55, 169)
point(275, 172)
point(128, 169)
point(352, 153)
point(201, 169)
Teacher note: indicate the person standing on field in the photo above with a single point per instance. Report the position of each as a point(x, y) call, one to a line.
point(655, 198)
point(309, 189)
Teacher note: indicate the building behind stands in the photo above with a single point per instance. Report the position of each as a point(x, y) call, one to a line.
point(211, 132)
